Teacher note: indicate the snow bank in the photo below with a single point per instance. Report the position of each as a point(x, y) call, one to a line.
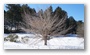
point(54, 43)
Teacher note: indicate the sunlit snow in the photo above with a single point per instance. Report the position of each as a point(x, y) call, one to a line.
point(38, 43)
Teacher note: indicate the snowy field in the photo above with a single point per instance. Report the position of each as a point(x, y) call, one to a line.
point(38, 43)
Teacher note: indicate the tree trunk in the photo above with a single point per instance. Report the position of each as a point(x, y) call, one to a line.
point(45, 40)
point(11, 29)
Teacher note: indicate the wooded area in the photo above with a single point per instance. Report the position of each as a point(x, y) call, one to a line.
point(13, 18)
point(21, 18)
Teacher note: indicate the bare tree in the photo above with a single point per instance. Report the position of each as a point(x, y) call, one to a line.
point(45, 24)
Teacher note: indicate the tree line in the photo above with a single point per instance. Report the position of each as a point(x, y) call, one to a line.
point(20, 17)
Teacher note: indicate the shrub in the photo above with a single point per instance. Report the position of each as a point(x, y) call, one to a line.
point(25, 39)
point(5, 39)
point(11, 38)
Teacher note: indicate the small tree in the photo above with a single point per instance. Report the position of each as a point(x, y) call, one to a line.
point(71, 21)
point(80, 28)
point(45, 24)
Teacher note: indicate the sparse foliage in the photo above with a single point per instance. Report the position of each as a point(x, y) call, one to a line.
point(45, 24)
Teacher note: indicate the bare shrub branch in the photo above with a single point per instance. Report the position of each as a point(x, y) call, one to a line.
point(45, 24)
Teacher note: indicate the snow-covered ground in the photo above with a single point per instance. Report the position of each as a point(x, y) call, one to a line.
point(38, 43)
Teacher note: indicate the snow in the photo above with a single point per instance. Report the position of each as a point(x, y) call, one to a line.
point(38, 43)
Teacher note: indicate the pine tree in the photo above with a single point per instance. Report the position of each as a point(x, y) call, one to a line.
point(14, 15)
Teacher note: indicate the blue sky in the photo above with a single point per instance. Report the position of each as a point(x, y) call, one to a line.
point(75, 10)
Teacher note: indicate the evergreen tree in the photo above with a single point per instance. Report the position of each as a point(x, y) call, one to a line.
point(14, 15)
point(80, 28)
point(27, 9)
point(71, 22)
point(59, 12)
